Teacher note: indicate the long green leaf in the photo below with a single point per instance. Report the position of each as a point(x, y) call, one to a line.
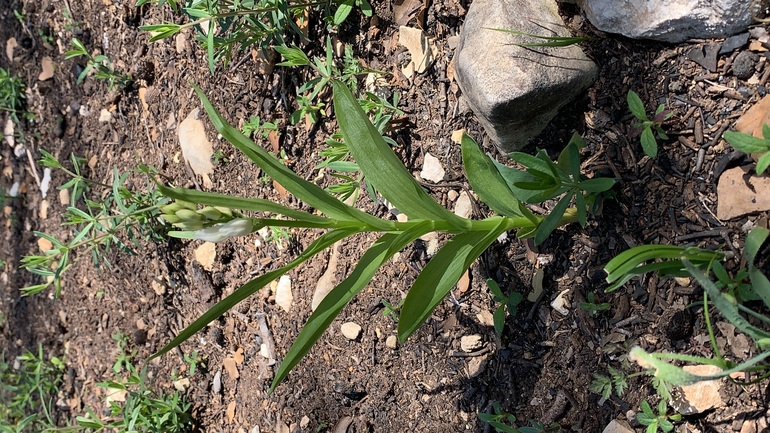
point(486, 181)
point(251, 204)
point(381, 166)
point(332, 304)
point(513, 176)
point(252, 286)
point(759, 281)
point(626, 261)
point(308, 192)
point(441, 274)
point(551, 221)
point(746, 143)
point(727, 308)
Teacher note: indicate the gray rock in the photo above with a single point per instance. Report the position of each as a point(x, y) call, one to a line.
point(669, 20)
point(516, 91)
point(744, 63)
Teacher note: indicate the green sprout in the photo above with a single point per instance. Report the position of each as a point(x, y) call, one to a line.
point(651, 128)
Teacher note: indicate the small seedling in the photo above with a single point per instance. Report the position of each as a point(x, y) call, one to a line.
point(11, 92)
point(100, 63)
point(654, 421)
point(591, 306)
point(749, 144)
point(651, 128)
point(504, 422)
point(392, 309)
point(510, 302)
point(219, 157)
point(617, 381)
point(195, 361)
point(255, 125)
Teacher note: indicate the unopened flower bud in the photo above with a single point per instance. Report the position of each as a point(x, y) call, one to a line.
point(190, 226)
point(171, 219)
point(171, 209)
point(188, 215)
point(220, 232)
point(210, 213)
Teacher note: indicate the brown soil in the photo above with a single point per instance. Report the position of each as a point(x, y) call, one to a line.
point(542, 364)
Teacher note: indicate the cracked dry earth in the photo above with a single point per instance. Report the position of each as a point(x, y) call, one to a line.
point(539, 368)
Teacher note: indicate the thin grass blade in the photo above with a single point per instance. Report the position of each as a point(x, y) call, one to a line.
point(759, 281)
point(727, 308)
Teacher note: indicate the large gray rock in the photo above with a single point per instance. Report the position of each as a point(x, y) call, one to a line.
point(669, 20)
point(516, 91)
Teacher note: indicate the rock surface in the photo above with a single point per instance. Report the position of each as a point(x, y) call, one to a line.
point(351, 330)
point(616, 426)
point(701, 396)
point(516, 91)
point(669, 20)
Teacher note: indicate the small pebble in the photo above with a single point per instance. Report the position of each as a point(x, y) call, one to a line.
point(216, 385)
point(743, 65)
point(391, 342)
point(469, 343)
point(351, 330)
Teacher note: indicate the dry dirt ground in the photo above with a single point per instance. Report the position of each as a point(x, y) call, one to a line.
point(540, 367)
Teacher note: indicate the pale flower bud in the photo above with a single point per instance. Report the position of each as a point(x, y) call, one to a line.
point(220, 232)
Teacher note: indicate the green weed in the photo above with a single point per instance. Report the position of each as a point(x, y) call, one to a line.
point(749, 144)
point(660, 420)
point(100, 64)
point(504, 422)
point(651, 128)
point(510, 303)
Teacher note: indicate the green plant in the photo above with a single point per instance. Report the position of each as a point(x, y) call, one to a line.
point(219, 157)
point(391, 179)
point(28, 387)
point(591, 306)
point(698, 264)
point(504, 422)
point(195, 361)
point(11, 92)
point(100, 63)
point(143, 409)
point(95, 228)
point(749, 144)
point(604, 385)
point(651, 128)
point(509, 302)
point(226, 27)
point(544, 180)
point(654, 421)
point(254, 125)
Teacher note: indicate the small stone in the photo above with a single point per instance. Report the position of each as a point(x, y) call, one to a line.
point(182, 384)
point(485, 318)
point(44, 244)
point(391, 342)
point(452, 195)
point(283, 295)
point(44, 205)
point(464, 206)
point(560, 304)
point(701, 396)
point(264, 351)
point(744, 63)
point(476, 366)
point(303, 423)
point(351, 330)
point(206, 254)
point(469, 343)
point(105, 116)
point(64, 196)
point(216, 384)
point(158, 286)
point(432, 169)
point(616, 426)
point(402, 218)
point(749, 426)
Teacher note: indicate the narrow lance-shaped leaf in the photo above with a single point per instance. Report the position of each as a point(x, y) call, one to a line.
point(251, 204)
point(551, 221)
point(759, 281)
point(744, 142)
point(486, 181)
point(251, 287)
point(380, 164)
point(332, 304)
point(441, 274)
point(727, 308)
point(308, 192)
